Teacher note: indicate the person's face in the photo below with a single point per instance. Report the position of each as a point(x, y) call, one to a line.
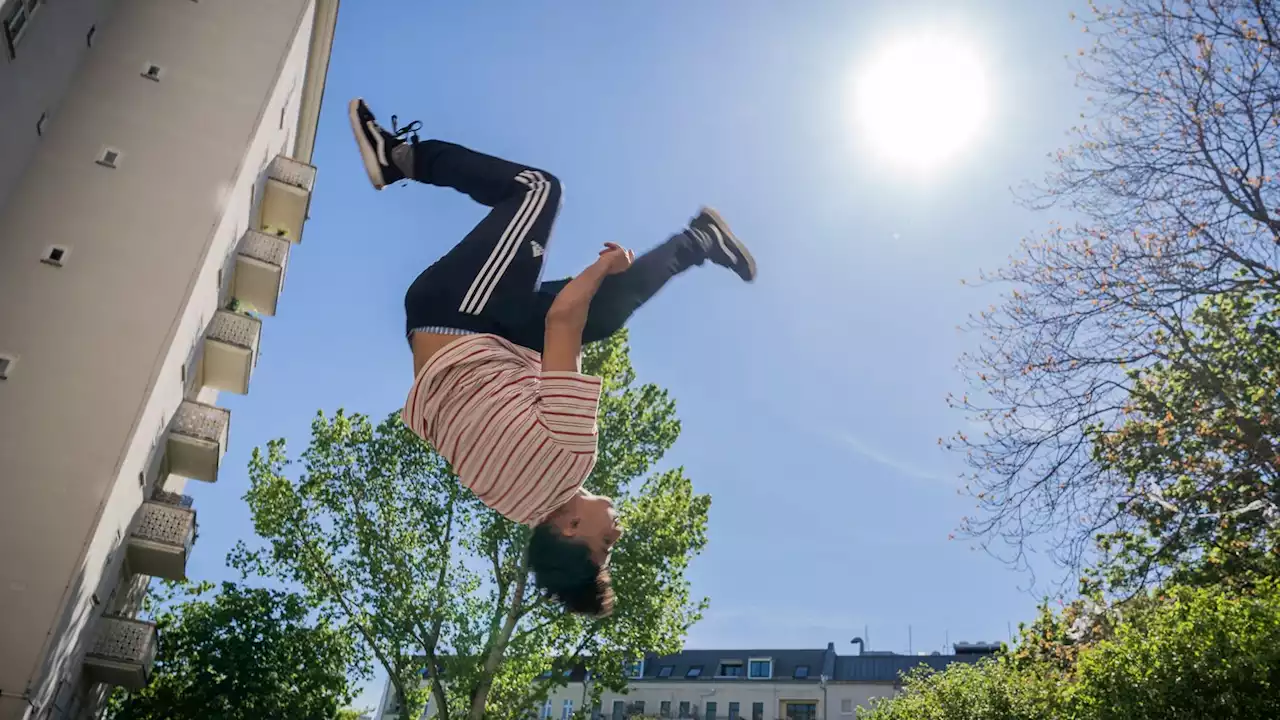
point(591, 520)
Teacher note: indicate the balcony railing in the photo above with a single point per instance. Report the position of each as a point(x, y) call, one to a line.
point(230, 352)
point(161, 540)
point(197, 440)
point(286, 197)
point(260, 264)
point(122, 652)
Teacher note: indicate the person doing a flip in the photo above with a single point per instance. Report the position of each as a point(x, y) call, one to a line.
point(497, 387)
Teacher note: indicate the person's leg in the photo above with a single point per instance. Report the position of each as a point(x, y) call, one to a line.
point(501, 258)
point(708, 237)
point(499, 263)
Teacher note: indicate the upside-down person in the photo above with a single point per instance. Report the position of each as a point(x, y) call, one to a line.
point(497, 385)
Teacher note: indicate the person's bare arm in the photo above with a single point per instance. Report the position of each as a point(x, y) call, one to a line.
point(562, 346)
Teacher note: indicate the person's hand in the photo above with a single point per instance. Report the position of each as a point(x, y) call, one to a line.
point(615, 258)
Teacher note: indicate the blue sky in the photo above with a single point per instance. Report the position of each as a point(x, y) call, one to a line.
point(811, 400)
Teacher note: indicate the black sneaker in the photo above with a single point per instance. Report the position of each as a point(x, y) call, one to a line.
point(722, 246)
point(376, 143)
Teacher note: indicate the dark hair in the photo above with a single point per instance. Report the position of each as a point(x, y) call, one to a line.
point(563, 569)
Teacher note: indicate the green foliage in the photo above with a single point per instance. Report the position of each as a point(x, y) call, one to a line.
point(244, 653)
point(1198, 450)
point(1188, 652)
point(988, 690)
point(1197, 653)
point(379, 533)
point(1164, 199)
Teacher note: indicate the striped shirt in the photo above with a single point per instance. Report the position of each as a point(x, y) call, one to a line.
point(522, 439)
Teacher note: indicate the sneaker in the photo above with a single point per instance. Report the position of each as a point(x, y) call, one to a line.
point(376, 143)
point(722, 246)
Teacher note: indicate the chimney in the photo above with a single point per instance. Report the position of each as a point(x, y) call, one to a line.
point(829, 661)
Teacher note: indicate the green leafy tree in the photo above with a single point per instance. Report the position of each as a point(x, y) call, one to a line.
point(1185, 652)
point(1167, 196)
point(379, 532)
point(1199, 451)
point(244, 653)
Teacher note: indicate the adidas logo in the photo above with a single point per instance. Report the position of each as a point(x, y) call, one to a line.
point(537, 249)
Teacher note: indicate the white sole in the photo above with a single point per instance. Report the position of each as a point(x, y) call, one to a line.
point(368, 154)
point(737, 244)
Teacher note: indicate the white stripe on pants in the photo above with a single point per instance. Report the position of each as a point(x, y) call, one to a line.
point(535, 199)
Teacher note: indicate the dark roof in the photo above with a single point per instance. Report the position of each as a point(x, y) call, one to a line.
point(888, 668)
point(885, 667)
point(785, 662)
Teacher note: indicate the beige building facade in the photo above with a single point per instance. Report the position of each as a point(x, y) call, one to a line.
point(801, 684)
point(155, 178)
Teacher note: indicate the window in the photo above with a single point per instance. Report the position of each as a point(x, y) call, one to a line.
point(664, 709)
point(801, 711)
point(665, 671)
point(152, 72)
point(846, 706)
point(109, 158)
point(619, 710)
point(802, 672)
point(710, 711)
point(637, 707)
point(6, 366)
point(684, 709)
point(635, 670)
point(695, 671)
point(734, 709)
point(731, 668)
point(566, 711)
point(546, 709)
point(17, 21)
point(757, 711)
point(760, 668)
point(54, 255)
point(44, 119)
point(88, 37)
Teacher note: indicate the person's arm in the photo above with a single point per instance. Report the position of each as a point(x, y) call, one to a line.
point(562, 341)
point(568, 400)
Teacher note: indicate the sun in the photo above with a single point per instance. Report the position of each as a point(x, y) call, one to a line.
point(921, 101)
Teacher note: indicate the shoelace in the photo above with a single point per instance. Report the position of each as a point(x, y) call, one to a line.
point(411, 129)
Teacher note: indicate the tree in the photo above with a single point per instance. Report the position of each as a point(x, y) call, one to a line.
point(1171, 184)
point(1184, 652)
point(1198, 448)
point(245, 653)
point(380, 533)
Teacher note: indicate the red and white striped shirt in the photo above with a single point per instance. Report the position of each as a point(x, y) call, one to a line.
point(523, 440)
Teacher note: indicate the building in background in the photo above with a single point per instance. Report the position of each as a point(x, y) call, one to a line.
point(741, 685)
point(154, 178)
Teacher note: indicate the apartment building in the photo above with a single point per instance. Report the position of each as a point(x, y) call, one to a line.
point(155, 178)
point(741, 685)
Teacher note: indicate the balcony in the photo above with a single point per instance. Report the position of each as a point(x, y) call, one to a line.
point(286, 196)
point(197, 439)
point(162, 538)
point(230, 351)
point(259, 274)
point(122, 652)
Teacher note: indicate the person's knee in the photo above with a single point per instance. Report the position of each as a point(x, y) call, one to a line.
point(564, 570)
point(544, 182)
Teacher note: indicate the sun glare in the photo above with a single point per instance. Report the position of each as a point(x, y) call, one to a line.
point(921, 101)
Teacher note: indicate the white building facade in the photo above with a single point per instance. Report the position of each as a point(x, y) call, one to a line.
point(738, 685)
point(155, 177)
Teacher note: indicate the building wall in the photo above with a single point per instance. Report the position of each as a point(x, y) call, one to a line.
point(101, 342)
point(35, 80)
point(773, 693)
